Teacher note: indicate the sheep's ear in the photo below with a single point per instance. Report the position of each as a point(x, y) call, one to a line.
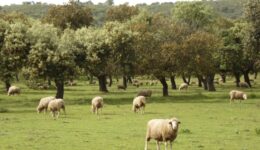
point(179, 122)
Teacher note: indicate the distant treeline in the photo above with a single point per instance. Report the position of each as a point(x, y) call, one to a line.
point(228, 8)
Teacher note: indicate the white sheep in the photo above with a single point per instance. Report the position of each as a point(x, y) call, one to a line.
point(139, 104)
point(43, 104)
point(162, 130)
point(96, 104)
point(13, 90)
point(237, 95)
point(183, 86)
point(243, 85)
point(55, 106)
point(146, 93)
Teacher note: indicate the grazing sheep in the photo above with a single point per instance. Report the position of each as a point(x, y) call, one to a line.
point(13, 90)
point(237, 95)
point(162, 130)
point(243, 85)
point(146, 93)
point(55, 106)
point(139, 104)
point(121, 87)
point(96, 104)
point(43, 104)
point(183, 86)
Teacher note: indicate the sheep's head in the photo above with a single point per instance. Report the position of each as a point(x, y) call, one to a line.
point(174, 122)
point(244, 96)
point(40, 109)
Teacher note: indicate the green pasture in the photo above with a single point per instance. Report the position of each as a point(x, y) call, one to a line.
point(208, 121)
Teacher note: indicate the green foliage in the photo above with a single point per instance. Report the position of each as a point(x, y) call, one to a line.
point(121, 13)
point(196, 14)
point(94, 45)
point(72, 15)
point(14, 49)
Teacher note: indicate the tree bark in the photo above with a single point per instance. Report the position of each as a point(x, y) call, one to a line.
point(17, 77)
point(91, 79)
point(110, 81)
point(204, 82)
point(237, 76)
point(102, 83)
point(199, 82)
point(164, 84)
point(210, 83)
point(223, 77)
point(129, 80)
point(246, 78)
point(184, 79)
point(125, 81)
point(7, 85)
point(49, 82)
point(59, 88)
point(255, 75)
point(173, 83)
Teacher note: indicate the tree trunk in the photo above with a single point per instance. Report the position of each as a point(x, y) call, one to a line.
point(59, 88)
point(110, 81)
point(210, 83)
point(125, 81)
point(237, 76)
point(91, 79)
point(188, 82)
point(17, 77)
point(255, 75)
point(129, 80)
point(204, 82)
point(184, 79)
point(102, 83)
point(246, 78)
point(7, 85)
point(223, 77)
point(49, 82)
point(199, 82)
point(164, 84)
point(173, 83)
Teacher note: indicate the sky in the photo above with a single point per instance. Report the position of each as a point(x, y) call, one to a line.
point(131, 2)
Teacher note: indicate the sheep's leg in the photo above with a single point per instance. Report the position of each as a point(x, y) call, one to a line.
point(146, 145)
point(58, 113)
point(158, 145)
point(166, 145)
point(170, 145)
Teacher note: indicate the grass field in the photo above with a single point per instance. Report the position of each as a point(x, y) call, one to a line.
point(208, 121)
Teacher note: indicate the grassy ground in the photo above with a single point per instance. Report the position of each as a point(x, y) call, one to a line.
point(208, 121)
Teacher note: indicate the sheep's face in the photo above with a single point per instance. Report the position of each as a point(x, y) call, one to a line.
point(244, 96)
point(174, 122)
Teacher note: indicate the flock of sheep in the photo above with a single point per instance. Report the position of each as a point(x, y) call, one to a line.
point(161, 130)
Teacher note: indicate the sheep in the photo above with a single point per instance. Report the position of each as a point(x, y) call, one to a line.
point(55, 106)
point(43, 104)
point(139, 104)
point(13, 90)
point(96, 104)
point(162, 130)
point(146, 93)
point(243, 85)
point(121, 87)
point(183, 86)
point(239, 95)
